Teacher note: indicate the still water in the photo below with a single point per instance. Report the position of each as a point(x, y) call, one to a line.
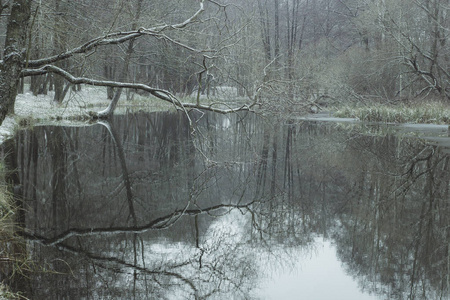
point(162, 206)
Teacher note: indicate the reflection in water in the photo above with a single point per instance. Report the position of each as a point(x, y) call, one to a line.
point(141, 208)
point(316, 274)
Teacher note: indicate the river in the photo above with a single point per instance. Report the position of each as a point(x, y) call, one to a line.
point(165, 206)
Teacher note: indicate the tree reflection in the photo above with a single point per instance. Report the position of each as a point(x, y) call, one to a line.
point(126, 204)
point(394, 230)
point(141, 208)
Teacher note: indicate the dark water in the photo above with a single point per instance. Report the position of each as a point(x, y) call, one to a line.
point(245, 207)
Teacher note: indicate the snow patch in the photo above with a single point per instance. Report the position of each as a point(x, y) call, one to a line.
point(44, 108)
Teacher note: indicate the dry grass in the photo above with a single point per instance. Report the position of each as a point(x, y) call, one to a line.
point(424, 113)
point(14, 260)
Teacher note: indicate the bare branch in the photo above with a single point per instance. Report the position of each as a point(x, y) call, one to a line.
point(119, 38)
point(159, 93)
point(109, 39)
point(192, 19)
point(156, 224)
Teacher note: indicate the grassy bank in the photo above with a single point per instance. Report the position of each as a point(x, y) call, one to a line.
point(425, 113)
point(14, 262)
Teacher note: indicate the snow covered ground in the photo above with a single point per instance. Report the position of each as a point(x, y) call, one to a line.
point(42, 108)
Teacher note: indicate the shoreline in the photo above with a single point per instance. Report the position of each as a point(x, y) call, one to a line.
point(33, 110)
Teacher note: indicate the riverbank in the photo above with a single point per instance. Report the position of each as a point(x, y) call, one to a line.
point(430, 112)
point(30, 109)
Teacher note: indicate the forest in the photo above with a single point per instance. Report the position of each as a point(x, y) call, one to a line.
point(277, 54)
point(160, 203)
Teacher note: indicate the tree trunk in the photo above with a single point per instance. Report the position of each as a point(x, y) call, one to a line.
point(13, 55)
point(109, 75)
point(59, 41)
point(277, 29)
point(265, 31)
point(106, 113)
point(59, 88)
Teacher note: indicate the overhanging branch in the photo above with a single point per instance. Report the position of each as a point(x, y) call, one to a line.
point(110, 39)
point(119, 38)
point(156, 224)
point(158, 93)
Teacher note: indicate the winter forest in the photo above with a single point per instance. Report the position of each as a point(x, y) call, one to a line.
point(252, 177)
point(280, 54)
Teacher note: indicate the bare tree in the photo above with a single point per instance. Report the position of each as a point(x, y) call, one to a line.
point(14, 62)
point(13, 59)
point(421, 32)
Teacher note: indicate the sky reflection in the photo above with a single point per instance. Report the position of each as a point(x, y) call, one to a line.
point(318, 275)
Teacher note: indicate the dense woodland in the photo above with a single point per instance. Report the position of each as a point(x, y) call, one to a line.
point(280, 53)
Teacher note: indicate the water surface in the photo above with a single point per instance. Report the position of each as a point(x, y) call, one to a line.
point(161, 206)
